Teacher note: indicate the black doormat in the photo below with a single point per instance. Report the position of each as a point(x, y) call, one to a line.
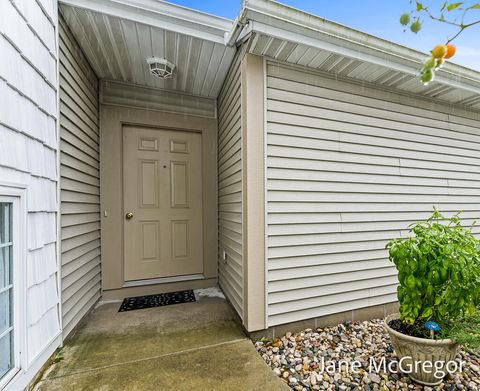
point(150, 301)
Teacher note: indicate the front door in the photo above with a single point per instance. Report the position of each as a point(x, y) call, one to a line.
point(162, 187)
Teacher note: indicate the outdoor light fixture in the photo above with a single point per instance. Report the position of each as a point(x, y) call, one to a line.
point(160, 67)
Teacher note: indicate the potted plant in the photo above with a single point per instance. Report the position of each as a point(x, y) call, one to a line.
point(438, 268)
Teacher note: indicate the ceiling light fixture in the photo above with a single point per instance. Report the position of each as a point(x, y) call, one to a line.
point(160, 67)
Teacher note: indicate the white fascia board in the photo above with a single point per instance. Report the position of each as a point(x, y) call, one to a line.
point(161, 15)
point(289, 24)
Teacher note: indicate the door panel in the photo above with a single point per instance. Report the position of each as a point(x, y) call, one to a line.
point(180, 239)
point(163, 193)
point(179, 186)
point(149, 237)
point(148, 174)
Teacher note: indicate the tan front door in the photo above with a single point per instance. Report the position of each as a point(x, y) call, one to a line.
point(162, 203)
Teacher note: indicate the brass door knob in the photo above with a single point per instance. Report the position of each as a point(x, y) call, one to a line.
point(129, 215)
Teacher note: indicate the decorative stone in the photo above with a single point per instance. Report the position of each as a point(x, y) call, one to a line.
point(299, 359)
point(472, 386)
point(375, 378)
point(292, 380)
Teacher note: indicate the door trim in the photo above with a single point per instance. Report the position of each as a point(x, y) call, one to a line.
point(113, 119)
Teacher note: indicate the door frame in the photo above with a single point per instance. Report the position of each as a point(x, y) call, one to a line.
point(113, 119)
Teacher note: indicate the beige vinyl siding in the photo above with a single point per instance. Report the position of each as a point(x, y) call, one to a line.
point(230, 187)
point(350, 167)
point(79, 182)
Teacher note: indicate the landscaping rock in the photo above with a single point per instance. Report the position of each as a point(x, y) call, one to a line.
point(472, 386)
point(474, 368)
point(302, 360)
point(375, 378)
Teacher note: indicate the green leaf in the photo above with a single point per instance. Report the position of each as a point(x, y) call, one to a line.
point(475, 6)
point(410, 282)
point(471, 308)
point(453, 6)
point(419, 6)
point(427, 313)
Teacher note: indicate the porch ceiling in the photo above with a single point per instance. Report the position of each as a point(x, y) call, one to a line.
point(117, 46)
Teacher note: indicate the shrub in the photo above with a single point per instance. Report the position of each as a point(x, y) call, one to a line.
point(465, 331)
point(438, 270)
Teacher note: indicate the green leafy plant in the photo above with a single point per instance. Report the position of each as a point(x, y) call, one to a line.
point(438, 270)
point(465, 330)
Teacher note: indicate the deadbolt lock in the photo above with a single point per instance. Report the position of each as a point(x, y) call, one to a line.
point(129, 215)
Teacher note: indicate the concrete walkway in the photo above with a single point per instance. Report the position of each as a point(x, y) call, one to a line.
point(192, 346)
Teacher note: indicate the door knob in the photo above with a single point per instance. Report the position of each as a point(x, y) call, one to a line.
point(129, 215)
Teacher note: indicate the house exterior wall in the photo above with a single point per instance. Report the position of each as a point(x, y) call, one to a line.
point(230, 187)
point(79, 181)
point(349, 167)
point(28, 134)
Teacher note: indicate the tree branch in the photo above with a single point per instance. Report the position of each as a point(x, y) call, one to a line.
point(462, 27)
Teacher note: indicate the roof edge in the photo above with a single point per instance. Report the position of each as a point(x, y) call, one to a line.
point(277, 16)
point(163, 15)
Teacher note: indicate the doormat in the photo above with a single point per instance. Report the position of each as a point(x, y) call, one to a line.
point(150, 301)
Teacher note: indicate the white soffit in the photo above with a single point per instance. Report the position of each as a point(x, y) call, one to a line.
point(293, 36)
point(118, 36)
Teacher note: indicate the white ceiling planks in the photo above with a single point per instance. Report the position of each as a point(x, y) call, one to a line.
point(117, 49)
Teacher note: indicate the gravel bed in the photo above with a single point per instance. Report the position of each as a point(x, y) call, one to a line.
point(298, 359)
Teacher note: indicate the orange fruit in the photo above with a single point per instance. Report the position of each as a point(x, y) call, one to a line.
point(439, 51)
point(451, 49)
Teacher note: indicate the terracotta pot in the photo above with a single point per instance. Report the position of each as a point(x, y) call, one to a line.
point(419, 350)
